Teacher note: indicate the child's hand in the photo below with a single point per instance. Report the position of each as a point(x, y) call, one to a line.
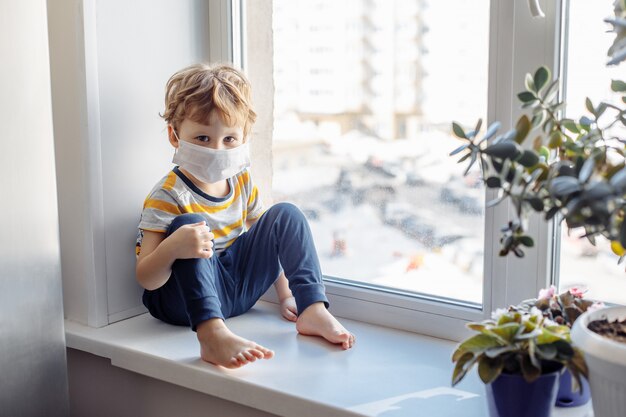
point(288, 308)
point(192, 241)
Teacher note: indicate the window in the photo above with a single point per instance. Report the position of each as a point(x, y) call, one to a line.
point(585, 75)
point(479, 79)
point(362, 136)
point(395, 222)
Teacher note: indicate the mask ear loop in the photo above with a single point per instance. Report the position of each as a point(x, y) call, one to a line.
point(177, 138)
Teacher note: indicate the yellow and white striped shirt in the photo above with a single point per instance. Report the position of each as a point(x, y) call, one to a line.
point(175, 194)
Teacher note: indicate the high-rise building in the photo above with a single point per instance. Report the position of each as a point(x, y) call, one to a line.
point(354, 63)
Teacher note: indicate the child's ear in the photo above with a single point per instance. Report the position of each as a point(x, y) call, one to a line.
point(172, 136)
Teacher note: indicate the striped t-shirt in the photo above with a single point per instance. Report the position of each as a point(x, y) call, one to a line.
point(175, 194)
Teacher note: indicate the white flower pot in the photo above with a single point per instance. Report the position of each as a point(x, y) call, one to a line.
point(606, 360)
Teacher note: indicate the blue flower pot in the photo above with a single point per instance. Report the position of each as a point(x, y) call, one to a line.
point(567, 397)
point(511, 396)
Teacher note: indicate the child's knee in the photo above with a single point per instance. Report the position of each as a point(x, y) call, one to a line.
point(284, 209)
point(183, 219)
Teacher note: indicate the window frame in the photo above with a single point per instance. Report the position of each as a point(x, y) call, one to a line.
point(507, 280)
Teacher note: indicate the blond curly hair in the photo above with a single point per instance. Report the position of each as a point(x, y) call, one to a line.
point(194, 92)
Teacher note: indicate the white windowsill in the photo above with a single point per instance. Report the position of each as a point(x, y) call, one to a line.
point(388, 373)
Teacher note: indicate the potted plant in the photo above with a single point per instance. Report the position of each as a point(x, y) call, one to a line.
point(519, 355)
point(571, 170)
point(564, 309)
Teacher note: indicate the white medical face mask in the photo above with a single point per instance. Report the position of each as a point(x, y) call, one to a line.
point(211, 165)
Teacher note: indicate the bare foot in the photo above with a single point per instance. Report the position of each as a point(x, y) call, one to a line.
point(220, 346)
point(316, 320)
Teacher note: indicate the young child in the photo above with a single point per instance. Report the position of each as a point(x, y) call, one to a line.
point(207, 250)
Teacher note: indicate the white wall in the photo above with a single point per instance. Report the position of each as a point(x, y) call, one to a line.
point(100, 389)
point(140, 44)
point(33, 375)
point(110, 62)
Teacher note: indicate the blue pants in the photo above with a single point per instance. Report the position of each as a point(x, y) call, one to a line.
point(231, 282)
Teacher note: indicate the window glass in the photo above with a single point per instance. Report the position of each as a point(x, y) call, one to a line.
point(365, 92)
point(586, 75)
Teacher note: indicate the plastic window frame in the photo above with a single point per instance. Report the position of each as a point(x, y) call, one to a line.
point(518, 43)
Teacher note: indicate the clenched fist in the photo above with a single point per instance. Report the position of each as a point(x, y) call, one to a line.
point(193, 241)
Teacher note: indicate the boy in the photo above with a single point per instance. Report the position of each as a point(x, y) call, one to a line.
point(206, 249)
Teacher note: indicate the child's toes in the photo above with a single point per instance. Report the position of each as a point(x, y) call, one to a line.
point(267, 354)
point(233, 363)
point(258, 354)
point(241, 358)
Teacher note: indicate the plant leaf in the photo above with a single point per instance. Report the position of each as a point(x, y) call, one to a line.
point(521, 129)
point(490, 368)
point(578, 360)
point(552, 212)
point(562, 186)
point(570, 125)
point(507, 331)
point(537, 119)
point(585, 122)
point(463, 365)
point(589, 106)
point(459, 149)
point(475, 344)
point(551, 91)
point(618, 86)
point(622, 234)
point(530, 83)
point(491, 130)
point(504, 150)
point(586, 170)
point(547, 336)
point(529, 371)
point(527, 241)
point(479, 327)
point(458, 130)
point(527, 97)
point(479, 123)
point(529, 158)
point(497, 351)
point(541, 77)
point(618, 180)
point(493, 182)
point(474, 155)
point(464, 157)
point(548, 351)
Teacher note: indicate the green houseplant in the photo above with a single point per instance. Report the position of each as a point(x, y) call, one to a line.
point(571, 170)
point(555, 165)
point(564, 309)
point(521, 352)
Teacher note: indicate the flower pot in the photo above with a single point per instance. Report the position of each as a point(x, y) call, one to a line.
point(606, 360)
point(511, 396)
point(567, 396)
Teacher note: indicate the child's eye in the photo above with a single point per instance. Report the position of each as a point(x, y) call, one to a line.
point(202, 138)
point(230, 139)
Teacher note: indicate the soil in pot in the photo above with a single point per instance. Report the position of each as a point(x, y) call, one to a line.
point(614, 330)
